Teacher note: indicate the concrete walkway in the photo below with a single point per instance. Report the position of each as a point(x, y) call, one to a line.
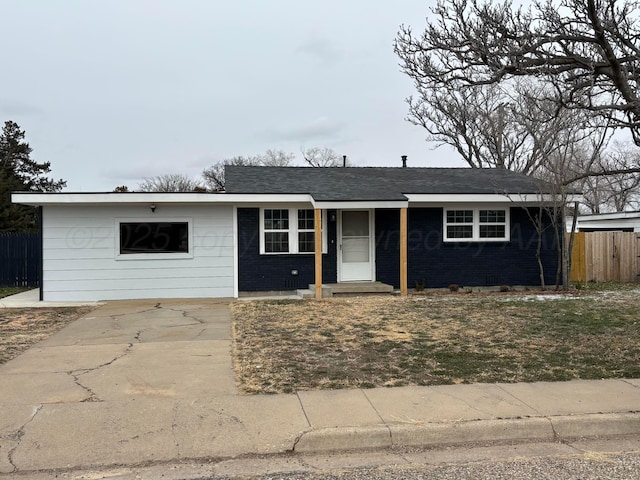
point(152, 381)
point(31, 299)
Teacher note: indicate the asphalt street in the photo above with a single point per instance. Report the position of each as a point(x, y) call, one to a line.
point(617, 467)
point(592, 459)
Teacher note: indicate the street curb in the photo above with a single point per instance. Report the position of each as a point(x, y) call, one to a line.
point(465, 432)
point(344, 438)
point(513, 429)
point(596, 425)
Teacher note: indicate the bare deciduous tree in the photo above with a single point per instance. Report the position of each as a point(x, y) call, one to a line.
point(172, 182)
point(584, 53)
point(323, 157)
point(516, 128)
point(214, 175)
point(614, 192)
point(276, 158)
point(589, 50)
point(576, 148)
point(622, 190)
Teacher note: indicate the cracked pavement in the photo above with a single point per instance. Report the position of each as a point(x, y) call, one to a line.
point(137, 382)
point(131, 382)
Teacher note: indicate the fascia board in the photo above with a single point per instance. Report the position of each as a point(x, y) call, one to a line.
point(609, 223)
point(273, 198)
point(111, 198)
point(42, 198)
point(597, 217)
point(357, 205)
point(519, 198)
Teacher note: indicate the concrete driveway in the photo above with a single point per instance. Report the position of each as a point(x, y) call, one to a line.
point(132, 382)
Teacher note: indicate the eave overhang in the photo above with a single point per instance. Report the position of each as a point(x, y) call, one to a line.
point(496, 198)
point(112, 198)
point(250, 199)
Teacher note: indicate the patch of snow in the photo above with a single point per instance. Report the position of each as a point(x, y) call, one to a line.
point(543, 298)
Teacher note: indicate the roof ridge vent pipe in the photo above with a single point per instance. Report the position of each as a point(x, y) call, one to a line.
point(404, 161)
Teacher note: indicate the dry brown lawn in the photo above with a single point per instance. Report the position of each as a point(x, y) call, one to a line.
point(22, 327)
point(284, 346)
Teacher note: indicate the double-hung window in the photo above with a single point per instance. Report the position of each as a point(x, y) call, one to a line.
point(476, 224)
point(288, 230)
point(276, 230)
point(306, 231)
point(492, 224)
point(459, 224)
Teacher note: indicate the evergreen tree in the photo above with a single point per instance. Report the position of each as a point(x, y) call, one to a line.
point(18, 172)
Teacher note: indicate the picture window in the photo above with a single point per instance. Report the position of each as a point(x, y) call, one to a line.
point(153, 237)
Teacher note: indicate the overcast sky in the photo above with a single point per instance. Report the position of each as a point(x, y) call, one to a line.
point(114, 91)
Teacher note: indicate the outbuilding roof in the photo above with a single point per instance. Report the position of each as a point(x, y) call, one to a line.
point(375, 183)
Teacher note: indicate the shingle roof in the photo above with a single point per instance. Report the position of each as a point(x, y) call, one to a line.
point(375, 183)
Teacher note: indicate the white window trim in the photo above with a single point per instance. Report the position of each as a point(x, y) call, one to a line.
point(276, 230)
point(293, 231)
point(159, 255)
point(476, 224)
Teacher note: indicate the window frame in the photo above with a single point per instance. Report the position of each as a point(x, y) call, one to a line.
point(475, 237)
point(154, 255)
point(293, 230)
point(277, 230)
point(305, 230)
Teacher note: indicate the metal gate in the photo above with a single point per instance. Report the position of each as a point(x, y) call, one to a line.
point(20, 257)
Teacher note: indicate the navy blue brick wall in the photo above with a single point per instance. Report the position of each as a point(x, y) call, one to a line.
point(388, 247)
point(273, 272)
point(440, 264)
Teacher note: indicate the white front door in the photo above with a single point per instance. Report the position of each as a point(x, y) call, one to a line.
point(356, 246)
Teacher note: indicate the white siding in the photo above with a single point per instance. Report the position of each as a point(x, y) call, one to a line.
point(80, 254)
point(607, 221)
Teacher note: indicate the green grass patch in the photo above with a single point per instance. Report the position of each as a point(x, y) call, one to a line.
point(7, 291)
point(606, 286)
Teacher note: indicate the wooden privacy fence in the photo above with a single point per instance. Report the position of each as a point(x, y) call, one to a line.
point(19, 259)
point(605, 257)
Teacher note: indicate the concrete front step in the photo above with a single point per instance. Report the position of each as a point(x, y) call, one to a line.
point(347, 288)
